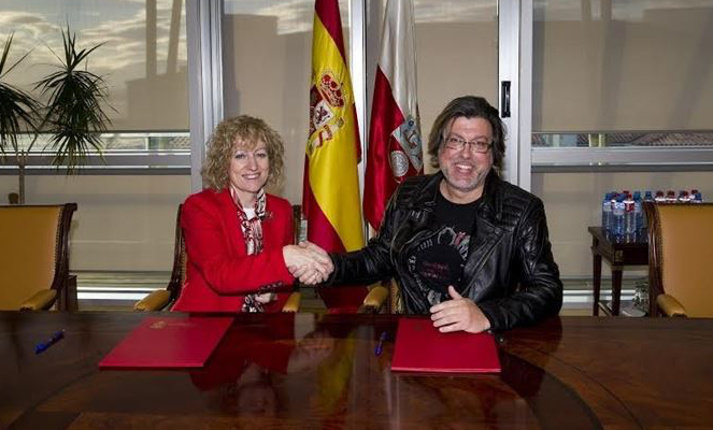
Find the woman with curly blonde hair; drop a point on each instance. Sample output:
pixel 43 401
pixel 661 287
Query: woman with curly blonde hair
pixel 238 237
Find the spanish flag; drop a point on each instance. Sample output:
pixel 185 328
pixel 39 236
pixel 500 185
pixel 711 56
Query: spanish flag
pixel 330 200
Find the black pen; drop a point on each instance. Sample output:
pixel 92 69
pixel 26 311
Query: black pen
pixel 42 346
pixel 380 345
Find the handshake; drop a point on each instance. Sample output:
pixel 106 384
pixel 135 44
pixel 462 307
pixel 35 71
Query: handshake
pixel 308 262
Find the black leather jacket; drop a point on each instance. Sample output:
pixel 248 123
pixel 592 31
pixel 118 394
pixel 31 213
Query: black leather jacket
pixel 509 272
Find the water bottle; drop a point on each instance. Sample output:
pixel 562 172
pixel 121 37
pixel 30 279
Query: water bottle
pixel 639 213
pixel 695 191
pixel 659 197
pixel 607 212
pixel 612 203
pixel 629 219
pixel 647 198
pixel 618 216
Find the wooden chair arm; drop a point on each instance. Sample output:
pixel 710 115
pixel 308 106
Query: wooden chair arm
pixel 69 302
pixel 293 302
pixel 39 301
pixel 670 306
pixel 375 299
pixel 154 301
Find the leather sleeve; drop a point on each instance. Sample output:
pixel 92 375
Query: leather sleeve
pixel 371 263
pixel 540 292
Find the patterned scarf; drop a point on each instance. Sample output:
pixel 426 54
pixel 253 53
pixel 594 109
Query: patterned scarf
pixel 252 232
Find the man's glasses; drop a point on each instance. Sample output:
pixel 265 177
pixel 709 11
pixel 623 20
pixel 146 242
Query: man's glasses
pixel 456 144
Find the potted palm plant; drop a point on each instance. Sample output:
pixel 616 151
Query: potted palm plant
pixel 73 115
pixel 18 112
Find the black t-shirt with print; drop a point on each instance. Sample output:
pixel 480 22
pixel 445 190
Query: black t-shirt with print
pixel 439 258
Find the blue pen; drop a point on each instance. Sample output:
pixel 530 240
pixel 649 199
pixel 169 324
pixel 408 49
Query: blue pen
pixel 42 346
pixel 380 345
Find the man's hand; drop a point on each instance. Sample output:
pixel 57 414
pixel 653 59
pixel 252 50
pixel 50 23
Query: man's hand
pixel 458 314
pixel 308 262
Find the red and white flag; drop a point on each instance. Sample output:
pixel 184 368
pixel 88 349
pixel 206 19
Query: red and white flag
pixel 395 130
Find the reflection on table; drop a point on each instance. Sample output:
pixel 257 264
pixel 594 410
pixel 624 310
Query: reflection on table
pixel 316 371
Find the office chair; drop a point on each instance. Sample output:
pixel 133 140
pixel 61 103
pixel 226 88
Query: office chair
pixel 34 258
pixel 680 269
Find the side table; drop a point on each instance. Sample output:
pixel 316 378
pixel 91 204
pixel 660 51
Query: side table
pixel 618 254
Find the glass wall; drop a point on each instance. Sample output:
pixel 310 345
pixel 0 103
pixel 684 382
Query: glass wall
pixel 142 57
pixel 622 96
pixel 622 74
pixel 127 207
pixel 615 83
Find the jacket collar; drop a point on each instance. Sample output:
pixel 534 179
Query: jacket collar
pixel 426 195
pixel 492 199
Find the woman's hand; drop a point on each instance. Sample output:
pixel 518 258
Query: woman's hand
pixel 308 262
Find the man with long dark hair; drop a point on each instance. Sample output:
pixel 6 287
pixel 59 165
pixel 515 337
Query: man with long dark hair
pixel 463 245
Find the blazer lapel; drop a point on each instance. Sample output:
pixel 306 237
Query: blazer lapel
pixel 270 230
pixel 233 231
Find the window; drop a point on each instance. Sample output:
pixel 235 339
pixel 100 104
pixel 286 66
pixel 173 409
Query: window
pixel 142 58
pixel 622 83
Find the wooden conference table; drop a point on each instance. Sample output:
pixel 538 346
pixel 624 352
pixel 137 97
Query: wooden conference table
pixel 308 371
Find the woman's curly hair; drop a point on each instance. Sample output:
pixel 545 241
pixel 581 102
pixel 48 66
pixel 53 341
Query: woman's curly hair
pixel 246 130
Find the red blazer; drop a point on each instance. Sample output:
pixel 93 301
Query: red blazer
pixel 218 270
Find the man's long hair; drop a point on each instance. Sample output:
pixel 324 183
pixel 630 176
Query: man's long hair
pixel 468 107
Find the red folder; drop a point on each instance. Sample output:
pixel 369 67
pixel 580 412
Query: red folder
pixel 420 347
pixel 168 343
